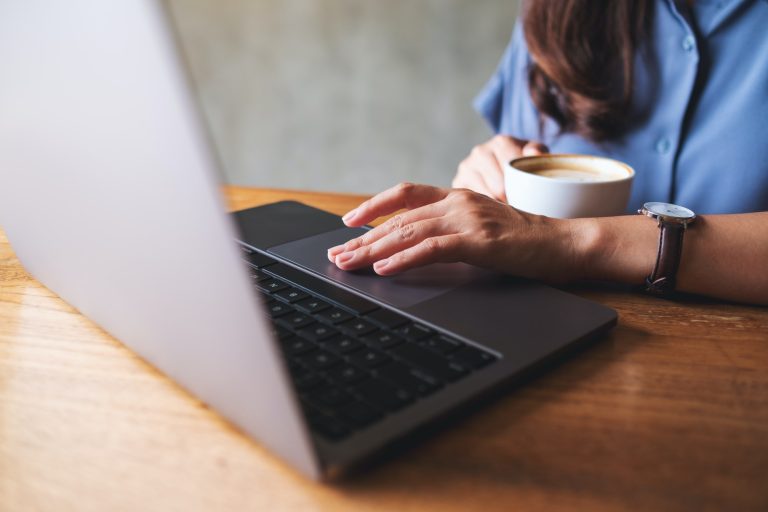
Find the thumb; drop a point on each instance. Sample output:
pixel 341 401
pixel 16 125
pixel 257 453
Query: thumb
pixel 532 148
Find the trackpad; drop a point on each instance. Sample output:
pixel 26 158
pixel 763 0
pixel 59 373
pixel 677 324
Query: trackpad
pixel 401 291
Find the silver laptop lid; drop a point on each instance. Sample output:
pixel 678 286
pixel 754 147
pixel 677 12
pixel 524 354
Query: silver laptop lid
pixel 109 197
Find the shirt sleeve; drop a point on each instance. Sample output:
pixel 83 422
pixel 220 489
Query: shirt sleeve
pixel 490 102
pixel 504 102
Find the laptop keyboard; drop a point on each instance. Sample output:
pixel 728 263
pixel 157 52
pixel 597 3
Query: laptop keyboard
pixel 353 362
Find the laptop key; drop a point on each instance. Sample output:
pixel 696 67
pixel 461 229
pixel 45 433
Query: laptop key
pixel 386 318
pixel 414 331
pixel 265 297
pixel 406 378
pixel 320 359
pixel 420 374
pixel 346 374
pixel 296 369
pixel 295 320
pixel 312 305
pixel 382 394
pixel 382 340
pixel 428 361
pixel 272 285
pixel 295 346
pixel 442 344
pixel 291 295
pixel 280 332
pixel 277 309
pixel 256 258
pixel 343 344
pixel 358 327
pixel 334 315
pixel 472 357
pixel 330 397
pixel 359 413
pixel 309 381
pixel 258 275
pixel 369 358
pixel 317 332
pixel 328 291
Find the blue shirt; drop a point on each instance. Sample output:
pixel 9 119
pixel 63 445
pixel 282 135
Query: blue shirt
pixel 702 138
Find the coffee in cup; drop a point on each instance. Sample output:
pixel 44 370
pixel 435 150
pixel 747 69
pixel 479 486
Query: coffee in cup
pixel 568 186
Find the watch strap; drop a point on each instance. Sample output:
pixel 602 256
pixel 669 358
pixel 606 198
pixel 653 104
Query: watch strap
pixel 662 279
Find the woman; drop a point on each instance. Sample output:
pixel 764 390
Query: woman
pixel 677 90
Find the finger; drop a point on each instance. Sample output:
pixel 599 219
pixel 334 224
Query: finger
pixel 534 148
pixel 447 248
pixel 485 186
pixel 471 179
pixel 397 223
pixel 394 242
pixel 506 148
pixel 484 161
pixel 334 251
pixel 404 195
pixel 393 224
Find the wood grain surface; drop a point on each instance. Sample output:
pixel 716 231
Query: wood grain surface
pixel 668 412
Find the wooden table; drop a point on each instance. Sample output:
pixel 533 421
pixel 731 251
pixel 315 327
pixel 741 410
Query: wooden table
pixel 668 412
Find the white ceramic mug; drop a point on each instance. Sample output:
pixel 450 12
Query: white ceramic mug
pixel 568 186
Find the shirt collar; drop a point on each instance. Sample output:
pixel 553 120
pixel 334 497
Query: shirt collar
pixel 726 8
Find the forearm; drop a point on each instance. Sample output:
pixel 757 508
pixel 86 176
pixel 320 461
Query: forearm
pixel 724 256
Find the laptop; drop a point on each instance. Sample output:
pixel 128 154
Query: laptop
pixel 109 194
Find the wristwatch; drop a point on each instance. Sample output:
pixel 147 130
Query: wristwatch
pixel 672 220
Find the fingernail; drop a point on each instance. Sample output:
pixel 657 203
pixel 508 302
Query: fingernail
pixel 344 257
pixel 336 249
pixel 381 264
pixel 349 216
pixel 533 149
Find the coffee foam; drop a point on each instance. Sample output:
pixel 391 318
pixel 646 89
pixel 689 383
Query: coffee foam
pixel 572 174
pixel 574 168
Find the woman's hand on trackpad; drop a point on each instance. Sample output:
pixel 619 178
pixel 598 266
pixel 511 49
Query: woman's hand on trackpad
pixel 449 225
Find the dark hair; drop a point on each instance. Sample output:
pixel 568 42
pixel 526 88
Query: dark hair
pixel 583 54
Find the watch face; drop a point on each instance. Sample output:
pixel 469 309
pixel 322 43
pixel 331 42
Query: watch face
pixel 669 210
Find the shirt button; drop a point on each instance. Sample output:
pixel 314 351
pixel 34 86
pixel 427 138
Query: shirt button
pixel 689 43
pixel 663 145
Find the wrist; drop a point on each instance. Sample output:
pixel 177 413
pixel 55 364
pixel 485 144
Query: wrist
pixel 564 250
pixel 621 249
pixel 585 240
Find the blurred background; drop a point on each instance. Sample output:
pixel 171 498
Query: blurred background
pixel 342 95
